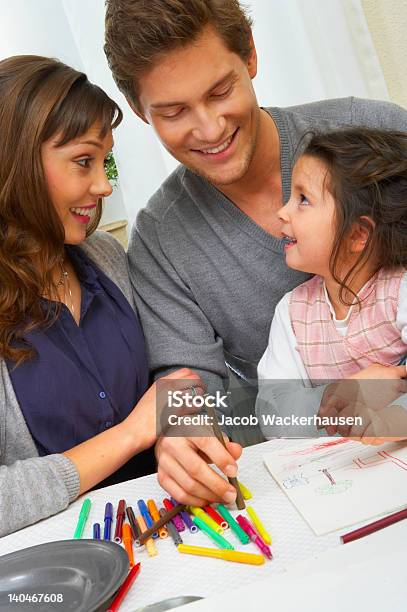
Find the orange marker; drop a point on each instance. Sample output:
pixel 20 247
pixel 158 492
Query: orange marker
pixel 128 542
pixel 151 549
pixel 155 515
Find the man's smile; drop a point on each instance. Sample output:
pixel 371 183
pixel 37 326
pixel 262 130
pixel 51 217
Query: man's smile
pixel 219 151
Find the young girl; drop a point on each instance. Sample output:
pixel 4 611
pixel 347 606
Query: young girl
pixel 346 223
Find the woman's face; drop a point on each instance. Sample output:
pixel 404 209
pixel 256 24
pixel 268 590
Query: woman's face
pixel 76 178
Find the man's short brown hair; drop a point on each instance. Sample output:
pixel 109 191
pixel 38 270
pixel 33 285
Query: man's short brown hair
pixel 138 32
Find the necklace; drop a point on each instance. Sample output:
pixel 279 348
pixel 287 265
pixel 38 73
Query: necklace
pixel 64 280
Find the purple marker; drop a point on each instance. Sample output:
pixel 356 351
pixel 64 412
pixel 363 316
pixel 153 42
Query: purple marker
pixel 108 521
pixel 96 531
pixel 177 520
pixel 247 527
pixel 186 518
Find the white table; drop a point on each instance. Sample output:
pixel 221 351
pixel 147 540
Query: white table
pixel 172 574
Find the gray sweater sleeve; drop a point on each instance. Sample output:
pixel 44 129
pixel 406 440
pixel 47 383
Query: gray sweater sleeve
pixel 34 489
pixel 179 333
pixel 31 487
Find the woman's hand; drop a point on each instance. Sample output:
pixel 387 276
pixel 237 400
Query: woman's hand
pixel 141 424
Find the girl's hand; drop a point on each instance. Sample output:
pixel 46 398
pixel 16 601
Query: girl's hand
pixel 381 372
pixel 389 423
pixel 378 441
pixel 370 390
pixel 141 424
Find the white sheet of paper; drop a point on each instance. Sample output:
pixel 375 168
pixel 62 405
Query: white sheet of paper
pixel 336 482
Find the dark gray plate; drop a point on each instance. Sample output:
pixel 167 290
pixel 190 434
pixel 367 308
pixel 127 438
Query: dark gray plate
pixel 84 573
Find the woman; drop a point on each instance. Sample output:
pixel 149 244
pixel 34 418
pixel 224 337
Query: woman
pixel 74 405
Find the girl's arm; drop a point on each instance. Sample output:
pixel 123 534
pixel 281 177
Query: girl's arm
pixel 284 386
pixel 281 360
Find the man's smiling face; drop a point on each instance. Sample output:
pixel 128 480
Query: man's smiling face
pixel 201 103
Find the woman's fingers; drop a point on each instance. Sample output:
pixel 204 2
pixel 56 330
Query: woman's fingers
pixel 184 376
pixel 174 479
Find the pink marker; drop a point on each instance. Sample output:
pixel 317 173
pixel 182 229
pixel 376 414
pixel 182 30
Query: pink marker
pixel 176 520
pixel 247 528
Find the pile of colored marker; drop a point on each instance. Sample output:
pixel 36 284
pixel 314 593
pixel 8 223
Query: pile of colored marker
pixel 172 519
pixel 214 522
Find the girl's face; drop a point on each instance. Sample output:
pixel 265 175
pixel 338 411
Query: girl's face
pixel 308 218
pixel 76 179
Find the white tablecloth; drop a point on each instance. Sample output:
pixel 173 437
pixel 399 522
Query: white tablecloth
pixel 172 574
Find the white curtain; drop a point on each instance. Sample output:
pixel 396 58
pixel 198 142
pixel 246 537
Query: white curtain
pixel 313 50
pixel 308 50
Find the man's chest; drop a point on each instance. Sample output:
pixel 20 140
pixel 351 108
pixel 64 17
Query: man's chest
pixel 263 209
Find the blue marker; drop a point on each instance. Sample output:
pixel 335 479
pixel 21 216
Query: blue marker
pixel 108 521
pixel 96 531
pixel 146 515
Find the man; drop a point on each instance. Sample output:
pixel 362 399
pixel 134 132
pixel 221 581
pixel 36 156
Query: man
pixel 206 256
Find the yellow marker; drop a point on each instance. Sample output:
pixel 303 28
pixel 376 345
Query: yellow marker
pixel 258 524
pixel 155 515
pixel 245 491
pixel 226 555
pixel 206 518
pixel 128 542
pixel 151 549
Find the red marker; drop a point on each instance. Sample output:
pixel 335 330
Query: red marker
pixel 216 517
pixel 122 592
pixel 121 509
pixel 375 526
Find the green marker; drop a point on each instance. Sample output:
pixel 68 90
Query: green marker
pixel 83 517
pixel 218 539
pixel 234 525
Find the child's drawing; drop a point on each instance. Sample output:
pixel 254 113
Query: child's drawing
pixel 295 481
pixel 333 489
pixel 336 483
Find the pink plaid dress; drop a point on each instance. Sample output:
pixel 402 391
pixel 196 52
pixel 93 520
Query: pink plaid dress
pixel 372 335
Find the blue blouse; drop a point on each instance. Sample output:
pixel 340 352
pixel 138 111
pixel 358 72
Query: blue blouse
pixel 85 378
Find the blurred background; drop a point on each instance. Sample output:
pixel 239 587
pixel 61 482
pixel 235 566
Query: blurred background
pixel 308 50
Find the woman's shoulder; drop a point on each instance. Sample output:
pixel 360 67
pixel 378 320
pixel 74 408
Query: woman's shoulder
pixel 102 246
pixel 109 255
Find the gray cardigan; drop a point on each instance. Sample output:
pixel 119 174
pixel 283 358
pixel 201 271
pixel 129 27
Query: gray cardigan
pixel 33 487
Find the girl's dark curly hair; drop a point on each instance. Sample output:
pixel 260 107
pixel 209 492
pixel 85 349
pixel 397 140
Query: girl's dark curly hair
pixel 367 177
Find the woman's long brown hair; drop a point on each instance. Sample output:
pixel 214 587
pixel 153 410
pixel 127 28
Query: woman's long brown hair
pixel 39 98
